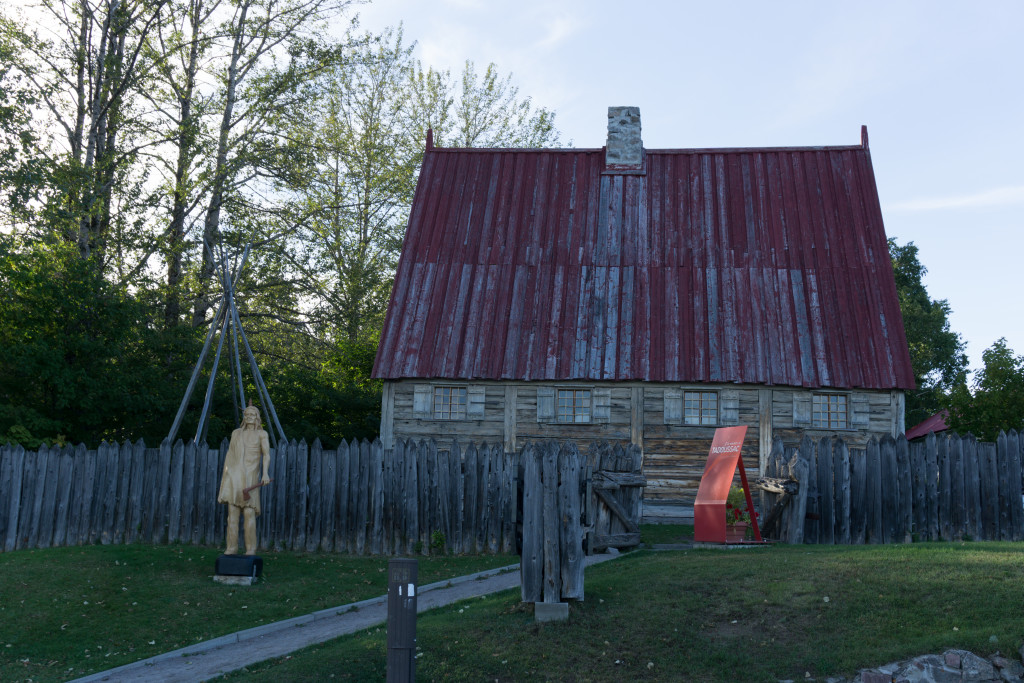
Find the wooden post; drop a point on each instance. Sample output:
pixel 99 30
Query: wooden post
pixel 890 491
pixel 906 490
pixel 874 491
pixel 800 471
pixel 826 489
pixel 989 495
pixel 552 582
pixel 945 489
pixel 533 547
pixel 1003 477
pixel 972 487
pixel 569 523
pixel 1013 480
pixel 841 461
pixel 858 496
pixel 931 455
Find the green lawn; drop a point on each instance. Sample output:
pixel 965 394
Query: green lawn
pixel 739 615
pixel 67 612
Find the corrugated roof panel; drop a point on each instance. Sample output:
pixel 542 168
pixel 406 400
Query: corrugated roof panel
pixel 761 266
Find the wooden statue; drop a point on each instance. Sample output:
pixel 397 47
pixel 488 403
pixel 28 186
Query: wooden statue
pixel 239 485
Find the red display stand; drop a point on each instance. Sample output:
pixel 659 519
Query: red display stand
pixel 709 508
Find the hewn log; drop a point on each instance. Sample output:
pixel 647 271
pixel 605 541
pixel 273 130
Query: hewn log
pixel 552 581
pixel 530 564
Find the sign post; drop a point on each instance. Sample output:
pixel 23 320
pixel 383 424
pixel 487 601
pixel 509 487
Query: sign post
pixel 709 508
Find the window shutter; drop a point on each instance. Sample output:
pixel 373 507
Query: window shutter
pixel 860 411
pixel 802 409
pixel 729 405
pixel 545 404
pixel 422 401
pixel 602 409
pixel 475 396
pixel 673 406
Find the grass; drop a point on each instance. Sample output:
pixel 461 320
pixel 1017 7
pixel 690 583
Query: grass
pixel 68 612
pixel 704 615
pixel 651 534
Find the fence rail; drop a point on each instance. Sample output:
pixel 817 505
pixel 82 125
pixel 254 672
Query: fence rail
pixel 352 499
pixel 946 487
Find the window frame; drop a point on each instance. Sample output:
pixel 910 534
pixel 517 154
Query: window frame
pixel 839 414
pixel 588 405
pixel 700 396
pixel 447 415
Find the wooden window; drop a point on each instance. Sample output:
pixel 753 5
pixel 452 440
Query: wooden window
pixel 700 407
pixel 573 405
pixel 449 403
pixel 829 411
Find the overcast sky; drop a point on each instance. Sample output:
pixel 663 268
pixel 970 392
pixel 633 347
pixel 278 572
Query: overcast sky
pixel 938 84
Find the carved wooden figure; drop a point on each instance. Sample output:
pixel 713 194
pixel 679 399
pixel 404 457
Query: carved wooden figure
pixel 240 482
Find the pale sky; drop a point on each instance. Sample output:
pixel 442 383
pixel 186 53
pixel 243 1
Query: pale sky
pixel 938 84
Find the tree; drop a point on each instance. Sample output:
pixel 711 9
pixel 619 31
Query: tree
pixel 936 352
pixel 997 402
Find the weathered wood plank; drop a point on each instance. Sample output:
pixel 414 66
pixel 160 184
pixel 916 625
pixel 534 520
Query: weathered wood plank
pixel 812 519
pixel 494 475
pixel 174 481
pixel 972 508
pixel 444 495
pixel 1013 454
pixel 906 493
pixel 858 496
pixel 890 491
pixel 945 489
pixel 300 502
pixel 826 489
pixel 328 488
pixel 841 468
pixel 799 470
pixel 34 488
pixel 954 450
pixel 362 498
pixel 343 526
pixel 123 492
pixel 552 582
pixel 989 491
pixel 65 480
pixel 874 492
pixel 931 459
pixel 531 561
pixel 1003 477
pixel 410 503
pixel 88 495
pixel 377 486
pixel 314 504
pixel 571 551
pixel 470 496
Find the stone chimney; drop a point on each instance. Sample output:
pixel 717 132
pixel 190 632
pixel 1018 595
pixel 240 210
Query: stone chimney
pixel 625 149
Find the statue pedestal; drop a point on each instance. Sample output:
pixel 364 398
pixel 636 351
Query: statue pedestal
pixel 238 570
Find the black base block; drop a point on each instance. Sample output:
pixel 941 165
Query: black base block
pixel 240 565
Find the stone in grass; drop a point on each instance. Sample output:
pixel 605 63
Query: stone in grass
pixel 1009 669
pixel 927 669
pixel 974 668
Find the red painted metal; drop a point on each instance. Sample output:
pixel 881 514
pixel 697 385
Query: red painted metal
pixel 760 266
pixel 709 524
pixel 936 423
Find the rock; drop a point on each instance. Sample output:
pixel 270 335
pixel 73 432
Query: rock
pixel 927 669
pixel 875 677
pixel 1008 669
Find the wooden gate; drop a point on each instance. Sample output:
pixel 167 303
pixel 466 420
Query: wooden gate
pixel 614 483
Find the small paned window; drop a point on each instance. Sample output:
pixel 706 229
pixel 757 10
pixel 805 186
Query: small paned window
pixel 700 407
pixel 573 405
pixel 828 411
pixel 449 403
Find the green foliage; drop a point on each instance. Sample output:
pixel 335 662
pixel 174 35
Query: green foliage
pixel 997 402
pixel 75 351
pixel 936 352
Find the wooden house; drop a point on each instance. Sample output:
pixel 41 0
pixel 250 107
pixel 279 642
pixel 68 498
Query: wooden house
pixel 645 296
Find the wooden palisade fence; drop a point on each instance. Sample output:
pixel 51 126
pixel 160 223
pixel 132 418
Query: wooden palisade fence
pixel 892 491
pixel 352 499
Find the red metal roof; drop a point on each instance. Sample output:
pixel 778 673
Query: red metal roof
pixel 936 423
pixel 761 266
